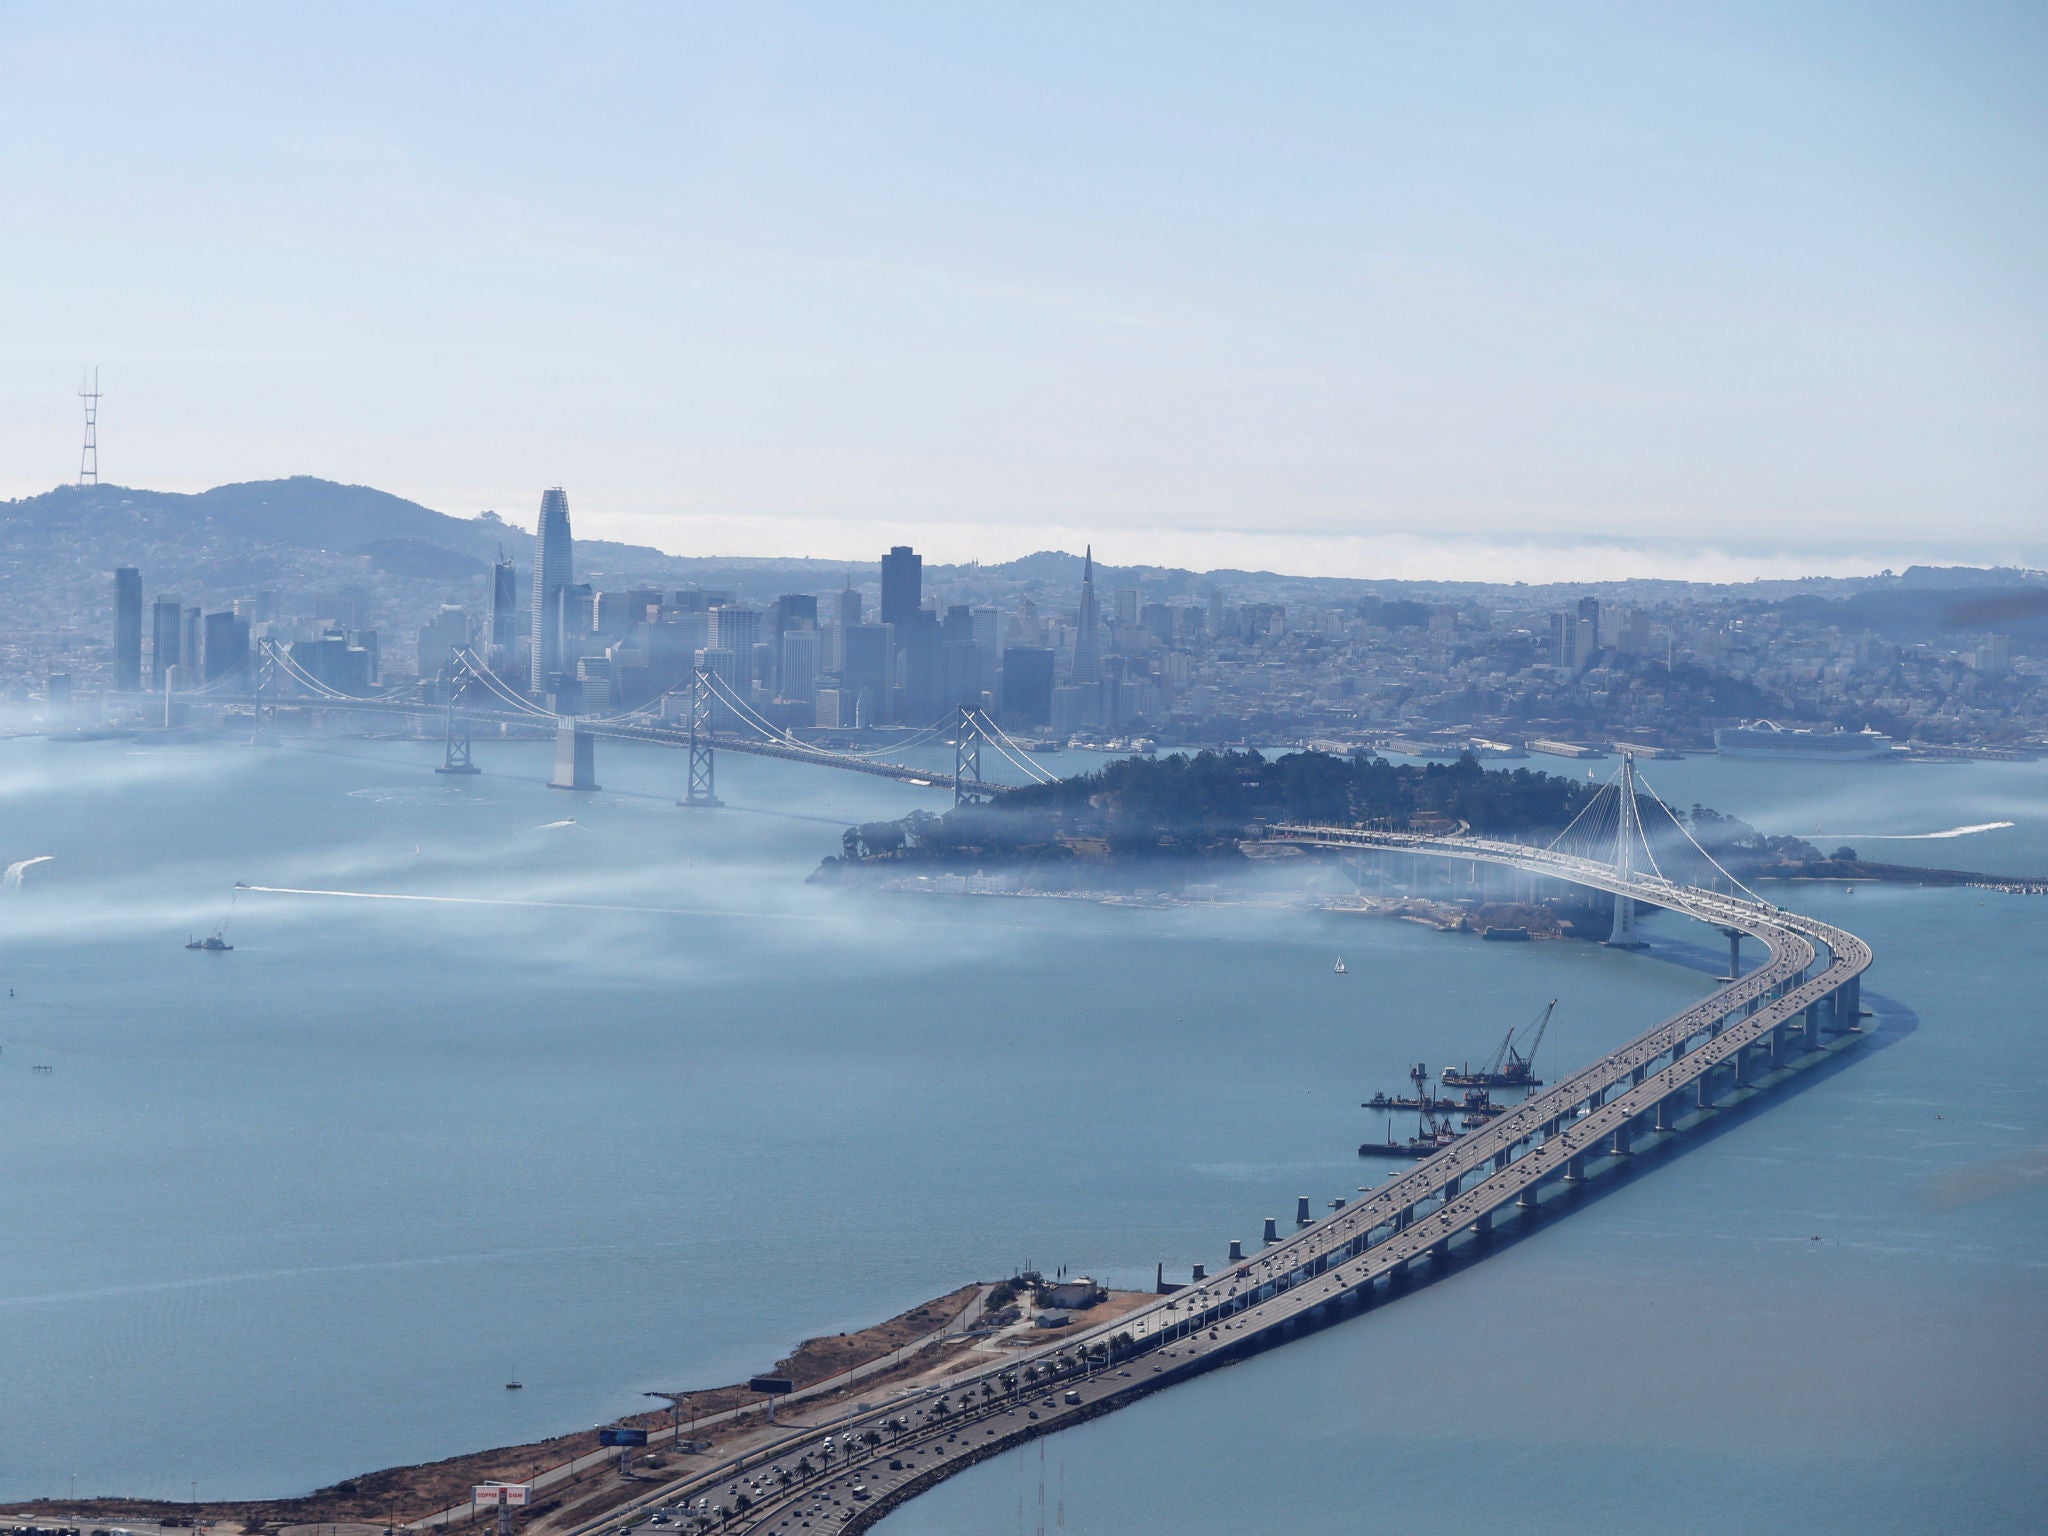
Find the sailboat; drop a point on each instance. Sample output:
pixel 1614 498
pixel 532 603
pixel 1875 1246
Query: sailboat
pixel 1341 968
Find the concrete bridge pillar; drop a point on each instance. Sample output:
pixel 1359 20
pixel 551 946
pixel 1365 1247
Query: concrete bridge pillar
pixel 1705 1092
pixel 1301 1215
pixel 1526 1200
pixel 1403 1217
pixel 1272 1229
pixel 1815 1011
pixel 1734 952
pixel 1620 1146
pixel 1740 1061
pixel 1665 1114
pixel 575 759
pixel 1778 1045
pixel 1636 1077
pixel 1484 1224
pixel 1452 1188
pixel 1237 1250
pixel 1852 989
pixel 1440 1253
pixel 1502 1158
pixel 1574 1169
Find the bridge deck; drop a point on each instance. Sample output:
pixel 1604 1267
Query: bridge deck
pixel 1345 1255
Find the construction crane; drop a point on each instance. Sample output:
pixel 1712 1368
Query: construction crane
pixel 1507 1067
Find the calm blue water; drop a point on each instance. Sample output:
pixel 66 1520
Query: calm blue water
pixel 629 1106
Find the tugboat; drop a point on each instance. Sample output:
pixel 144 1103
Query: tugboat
pixel 215 943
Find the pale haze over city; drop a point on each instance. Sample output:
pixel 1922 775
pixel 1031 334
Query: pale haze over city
pixel 1146 770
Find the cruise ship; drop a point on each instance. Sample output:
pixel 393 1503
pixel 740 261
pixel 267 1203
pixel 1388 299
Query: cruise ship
pixel 1767 738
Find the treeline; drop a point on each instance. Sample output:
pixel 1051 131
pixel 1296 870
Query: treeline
pixel 1197 807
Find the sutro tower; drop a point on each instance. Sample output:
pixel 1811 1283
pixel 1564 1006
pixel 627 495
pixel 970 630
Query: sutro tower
pixel 89 455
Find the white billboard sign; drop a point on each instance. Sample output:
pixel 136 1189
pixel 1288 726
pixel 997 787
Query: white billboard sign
pixel 500 1493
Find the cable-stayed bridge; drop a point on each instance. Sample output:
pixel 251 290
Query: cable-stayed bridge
pixel 1750 1035
pixel 716 718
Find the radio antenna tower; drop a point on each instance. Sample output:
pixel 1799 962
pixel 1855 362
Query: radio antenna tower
pixel 89 455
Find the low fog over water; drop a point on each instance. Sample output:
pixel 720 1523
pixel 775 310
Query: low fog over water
pixel 596 1093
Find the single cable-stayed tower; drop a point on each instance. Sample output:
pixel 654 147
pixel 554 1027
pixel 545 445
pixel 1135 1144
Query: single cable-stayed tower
pixel 89 455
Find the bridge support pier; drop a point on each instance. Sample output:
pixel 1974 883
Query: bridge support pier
pixel 1620 1145
pixel 1734 953
pixel 1778 1046
pixel 1705 1093
pixel 1237 1250
pixel 1484 1224
pixel 1574 1169
pixel 575 759
pixel 455 756
pixel 1740 1061
pixel 1272 1229
pixel 1301 1215
pixel 1815 1013
pixel 1526 1200
pixel 1665 1116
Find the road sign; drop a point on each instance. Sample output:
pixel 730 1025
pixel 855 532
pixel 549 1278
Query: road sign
pixel 622 1437
pixel 778 1385
pixel 501 1493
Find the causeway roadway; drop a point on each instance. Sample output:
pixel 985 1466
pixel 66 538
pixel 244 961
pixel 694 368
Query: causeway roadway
pixel 1745 1036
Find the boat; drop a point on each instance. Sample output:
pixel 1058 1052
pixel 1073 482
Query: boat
pixel 215 943
pixel 1341 971
pixel 514 1386
pixel 1767 738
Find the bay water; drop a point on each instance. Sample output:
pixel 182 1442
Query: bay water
pixel 595 1093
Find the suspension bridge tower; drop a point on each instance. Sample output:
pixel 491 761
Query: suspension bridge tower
pixel 1628 839
pixel 703 790
pixel 456 758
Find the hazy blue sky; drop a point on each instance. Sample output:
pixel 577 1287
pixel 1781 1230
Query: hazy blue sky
pixel 1308 286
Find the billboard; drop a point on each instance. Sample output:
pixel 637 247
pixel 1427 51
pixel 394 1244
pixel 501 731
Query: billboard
pixel 622 1437
pixel 501 1493
pixel 775 1384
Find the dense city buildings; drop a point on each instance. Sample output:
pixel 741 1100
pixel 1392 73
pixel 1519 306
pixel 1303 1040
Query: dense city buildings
pixel 1054 645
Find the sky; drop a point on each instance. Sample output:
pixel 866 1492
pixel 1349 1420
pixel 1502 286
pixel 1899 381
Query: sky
pixel 1451 290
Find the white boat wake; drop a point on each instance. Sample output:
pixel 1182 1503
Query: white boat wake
pixel 13 878
pixel 1922 837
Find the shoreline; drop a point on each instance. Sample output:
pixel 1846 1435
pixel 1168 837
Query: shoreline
pixel 573 1478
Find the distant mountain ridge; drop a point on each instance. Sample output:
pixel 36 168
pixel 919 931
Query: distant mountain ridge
pixel 404 538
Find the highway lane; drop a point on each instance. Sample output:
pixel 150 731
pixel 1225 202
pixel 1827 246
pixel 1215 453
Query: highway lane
pixel 1343 1256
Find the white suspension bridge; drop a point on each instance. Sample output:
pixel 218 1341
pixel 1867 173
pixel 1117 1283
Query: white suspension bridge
pixel 716 717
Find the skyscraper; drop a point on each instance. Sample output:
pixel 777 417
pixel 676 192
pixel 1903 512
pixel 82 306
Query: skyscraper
pixel 504 611
pixel 849 604
pixel 553 562
pixel 166 640
pixel 1087 643
pixel 127 629
pixel 902 587
pixel 226 645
